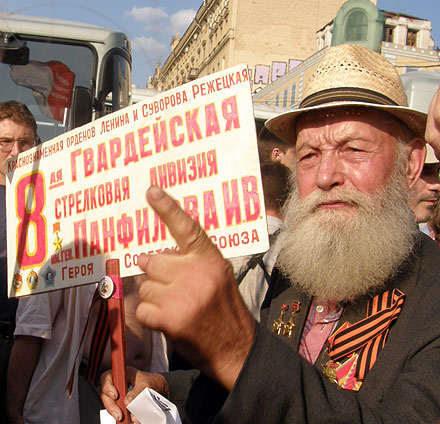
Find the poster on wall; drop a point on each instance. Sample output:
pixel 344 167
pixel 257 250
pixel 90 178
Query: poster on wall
pixel 79 199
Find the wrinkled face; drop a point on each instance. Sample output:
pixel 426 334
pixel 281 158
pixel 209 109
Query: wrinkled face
pixel 348 227
pixel 426 191
pixel 16 136
pixel 348 148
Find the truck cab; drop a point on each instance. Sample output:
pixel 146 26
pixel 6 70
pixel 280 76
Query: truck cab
pixel 68 73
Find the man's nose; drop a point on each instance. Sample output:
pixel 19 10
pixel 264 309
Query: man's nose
pixel 15 149
pixel 330 173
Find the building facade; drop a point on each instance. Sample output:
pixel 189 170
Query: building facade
pixel 404 40
pixel 271 39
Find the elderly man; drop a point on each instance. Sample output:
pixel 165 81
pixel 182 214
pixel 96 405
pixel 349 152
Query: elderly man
pixel 352 309
pixel 426 190
pixel 18 132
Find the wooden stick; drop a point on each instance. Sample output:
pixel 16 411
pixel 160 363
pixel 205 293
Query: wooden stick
pixel 117 334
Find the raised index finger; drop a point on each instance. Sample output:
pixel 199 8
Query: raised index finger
pixel 187 233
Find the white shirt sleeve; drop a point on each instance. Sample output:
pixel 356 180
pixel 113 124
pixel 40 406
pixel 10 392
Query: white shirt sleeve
pixel 36 314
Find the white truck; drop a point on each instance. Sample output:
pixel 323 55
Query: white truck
pixel 420 87
pixel 68 73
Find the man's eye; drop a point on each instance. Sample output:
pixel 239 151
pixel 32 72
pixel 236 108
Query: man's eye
pixel 354 153
pixel 308 156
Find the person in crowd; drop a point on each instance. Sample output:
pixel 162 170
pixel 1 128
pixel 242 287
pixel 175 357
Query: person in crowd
pixel 349 327
pixel 273 149
pixel 18 132
pixel 253 271
pixel 53 330
pixel 432 228
pixel 423 196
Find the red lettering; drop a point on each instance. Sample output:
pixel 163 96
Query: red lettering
pixel 210 211
pixel 231 202
pixel 212 125
pixel 251 198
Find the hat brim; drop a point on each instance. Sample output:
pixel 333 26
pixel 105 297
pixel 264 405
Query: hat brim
pixel 283 126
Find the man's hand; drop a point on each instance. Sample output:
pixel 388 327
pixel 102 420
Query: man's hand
pixel 139 380
pixel 432 134
pixel 192 296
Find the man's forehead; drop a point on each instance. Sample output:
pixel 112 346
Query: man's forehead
pixel 8 123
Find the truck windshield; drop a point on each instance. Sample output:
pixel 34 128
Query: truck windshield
pixel 46 83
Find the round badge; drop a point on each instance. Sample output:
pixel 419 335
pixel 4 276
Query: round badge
pixel 32 280
pixel 17 282
pixel 106 287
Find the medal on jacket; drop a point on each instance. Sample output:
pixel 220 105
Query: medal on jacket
pixel 278 324
pixel 280 327
pixel 289 326
pixel 343 373
pixel 354 348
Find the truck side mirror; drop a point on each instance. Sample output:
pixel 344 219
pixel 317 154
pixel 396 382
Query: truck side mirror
pixel 81 107
pixel 12 51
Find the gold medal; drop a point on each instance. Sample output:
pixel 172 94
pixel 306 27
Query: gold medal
pixel 289 326
pixel 278 324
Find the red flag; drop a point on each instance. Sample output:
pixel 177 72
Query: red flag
pixel 51 84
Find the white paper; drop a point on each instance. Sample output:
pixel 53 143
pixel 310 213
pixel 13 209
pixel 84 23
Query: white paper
pixel 105 417
pixel 79 199
pixel 151 407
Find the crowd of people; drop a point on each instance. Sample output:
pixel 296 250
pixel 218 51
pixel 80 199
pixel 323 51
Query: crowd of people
pixel 337 322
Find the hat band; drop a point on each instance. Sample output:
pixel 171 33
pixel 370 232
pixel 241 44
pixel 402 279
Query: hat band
pixel 346 94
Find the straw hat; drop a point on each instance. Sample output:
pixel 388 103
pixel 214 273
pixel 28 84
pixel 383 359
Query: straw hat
pixel 351 75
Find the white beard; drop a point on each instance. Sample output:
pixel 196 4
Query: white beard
pixel 339 254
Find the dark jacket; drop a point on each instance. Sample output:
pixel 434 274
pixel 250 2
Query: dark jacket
pixel 277 385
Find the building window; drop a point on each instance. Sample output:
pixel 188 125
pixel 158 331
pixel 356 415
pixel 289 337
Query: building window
pixel 293 95
pixel 356 26
pixel 285 95
pixel 388 34
pixel 411 38
pixel 277 99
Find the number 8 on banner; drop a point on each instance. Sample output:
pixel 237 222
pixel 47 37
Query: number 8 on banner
pixel 31 230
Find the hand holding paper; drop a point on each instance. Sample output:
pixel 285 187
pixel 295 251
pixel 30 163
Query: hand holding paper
pixel 151 407
pixel 138 380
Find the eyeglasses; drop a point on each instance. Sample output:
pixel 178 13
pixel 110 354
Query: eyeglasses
pixel 7 144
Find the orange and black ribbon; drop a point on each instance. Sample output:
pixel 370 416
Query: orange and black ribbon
pixel 368 336
pixel 99 340
pixel 98 344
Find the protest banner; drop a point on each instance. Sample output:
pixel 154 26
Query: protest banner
pixel 79 199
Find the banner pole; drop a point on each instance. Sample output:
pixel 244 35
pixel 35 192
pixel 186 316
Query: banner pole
pixel 111 288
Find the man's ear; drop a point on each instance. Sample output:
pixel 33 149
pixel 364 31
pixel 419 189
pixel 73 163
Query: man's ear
pixel 276 155
pixel 416 161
